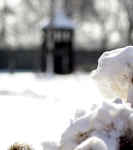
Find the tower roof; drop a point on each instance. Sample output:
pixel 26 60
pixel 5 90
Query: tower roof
pixel 59 21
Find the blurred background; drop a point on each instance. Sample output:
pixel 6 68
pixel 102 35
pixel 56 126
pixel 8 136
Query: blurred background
pixel 43 37
pixel 31 33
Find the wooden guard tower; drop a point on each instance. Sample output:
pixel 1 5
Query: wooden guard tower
pixel 58 37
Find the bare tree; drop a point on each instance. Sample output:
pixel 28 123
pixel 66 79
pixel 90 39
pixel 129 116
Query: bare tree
pixel 29 12
pixel 80 9
pixel 89 11
pixel 128 8
pixel 4 12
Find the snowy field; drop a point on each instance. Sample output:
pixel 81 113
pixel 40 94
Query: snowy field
pixel 36 107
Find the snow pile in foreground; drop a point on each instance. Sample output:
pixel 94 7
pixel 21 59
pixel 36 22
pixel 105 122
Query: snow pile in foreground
pixel 114 74
pixel 103 127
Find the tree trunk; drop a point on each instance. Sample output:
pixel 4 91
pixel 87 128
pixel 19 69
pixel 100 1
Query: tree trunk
pixel 4 24
pixel 130 29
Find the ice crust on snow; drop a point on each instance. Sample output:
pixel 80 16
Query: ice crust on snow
pixel 114 74
pixel 100 128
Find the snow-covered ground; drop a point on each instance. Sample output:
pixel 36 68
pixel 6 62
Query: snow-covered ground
pixel 36 107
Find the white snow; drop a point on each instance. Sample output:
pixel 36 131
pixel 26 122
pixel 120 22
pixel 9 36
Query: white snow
pixel 114 74
pixel 68 112
pixel 38 107
pixel 97 129
pixel 101 126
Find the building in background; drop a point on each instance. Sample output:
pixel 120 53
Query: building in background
pixel 57 48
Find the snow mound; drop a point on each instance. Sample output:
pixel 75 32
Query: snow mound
pixel 114 74
pixel 101 128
